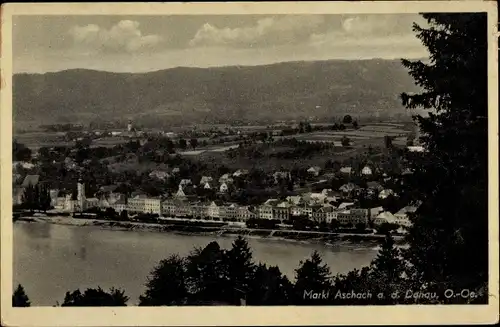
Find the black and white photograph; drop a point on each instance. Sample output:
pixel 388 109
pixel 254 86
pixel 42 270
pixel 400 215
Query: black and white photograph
pixel 255 158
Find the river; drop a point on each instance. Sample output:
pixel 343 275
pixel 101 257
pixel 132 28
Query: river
pixel 51 259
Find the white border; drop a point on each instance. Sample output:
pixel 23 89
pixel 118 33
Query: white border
pixel 245 316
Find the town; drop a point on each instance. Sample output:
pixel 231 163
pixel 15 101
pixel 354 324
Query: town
pixel 366 196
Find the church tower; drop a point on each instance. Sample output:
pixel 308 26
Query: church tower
pixel 417 134
pixel 80 196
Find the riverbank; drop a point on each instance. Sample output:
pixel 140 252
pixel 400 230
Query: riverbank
pixel 327 238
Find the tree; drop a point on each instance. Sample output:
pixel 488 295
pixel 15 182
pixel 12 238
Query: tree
pixel 386 228
pixel 388 141
pixel 447 248
pixel 44 200
pixel 207 275
pixel 347 119
pixel 30 198
pixel 194 143
pixel 20 152
pixel 111 213
pixel 182 144
pixel 240 265
pixel 166 284
pixel 19 298
pixel 355 124
pixel 312 275
pixel 269 287
pixel 124 215
pixel 345 141
pixel 95 298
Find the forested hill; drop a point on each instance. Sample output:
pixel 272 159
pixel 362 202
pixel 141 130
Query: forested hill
pixel 279 91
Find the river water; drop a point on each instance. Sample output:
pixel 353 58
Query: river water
pixel 51 259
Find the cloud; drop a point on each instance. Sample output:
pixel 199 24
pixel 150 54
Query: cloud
pixel 124 36
pixel 371 34
pixel 268 31
pixel 380 25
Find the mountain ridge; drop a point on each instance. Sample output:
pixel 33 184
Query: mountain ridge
pixel 287 90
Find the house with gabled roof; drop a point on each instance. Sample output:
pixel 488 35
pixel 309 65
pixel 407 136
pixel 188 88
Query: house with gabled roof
pixel 384 217
pixel 226 178
pixel 159 174
pixel 314 170
pixel 346 170
pixel 385 193
pixel 374 186
pixel 240 172
pixel 31 180
pixel 205 179
pixel 366 171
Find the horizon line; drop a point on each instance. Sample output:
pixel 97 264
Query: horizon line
pixel 212 67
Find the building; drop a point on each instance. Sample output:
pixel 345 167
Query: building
pixel 168 208
pixel 226 178
pixel 296 210
pixel 159 174
pixel 353 216
pixel 80 196
pixel 152 205
pixel 402 217
pixel 137 204
pixel 317 214
pixel 207 186
pixel 385 193
pixel 229 212
pixel 374 212
pixel 346 170
pixel 345 205
pixel 366 171
pixel 331 195
pixel 314 171
pixel 120 204
pixel 213 210
pixel 295 200
pixel 329 213
pixel 224 188
pixel 206 179
pixel 199 210
pixel 30 180
pixel 180 193
pixel 185 182
pixel 17 195
pixel 244 213
pixel 375 186
pixel 266 211
pixel 384 217
pixel 416 148
pixel 240 173
pixel 183 209
pixel 282 211
pixel 348 189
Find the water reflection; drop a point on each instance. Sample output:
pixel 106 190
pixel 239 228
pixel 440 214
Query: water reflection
pixel 37 231
pixel 52 259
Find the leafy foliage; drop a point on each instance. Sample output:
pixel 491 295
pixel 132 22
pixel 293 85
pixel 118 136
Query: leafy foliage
pixel 95 298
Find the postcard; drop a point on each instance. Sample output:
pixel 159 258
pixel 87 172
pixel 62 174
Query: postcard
pixel 245 163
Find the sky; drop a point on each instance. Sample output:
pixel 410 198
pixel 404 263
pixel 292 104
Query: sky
pixel 148 43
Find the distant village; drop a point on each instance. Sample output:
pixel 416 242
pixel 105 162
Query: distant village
pixel 327 206
pixel 322 207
